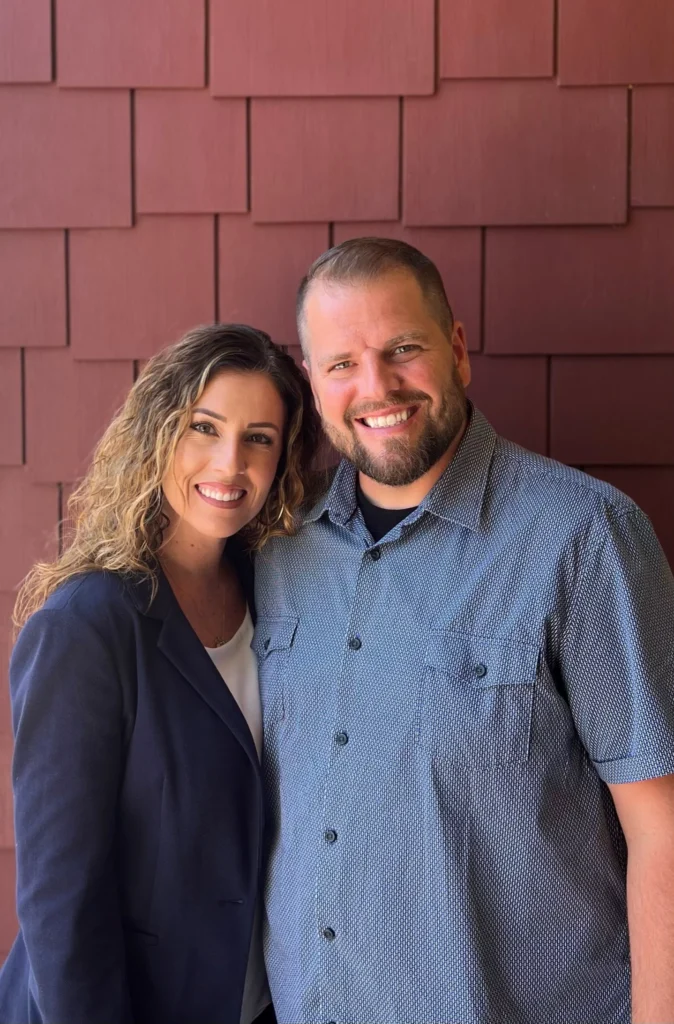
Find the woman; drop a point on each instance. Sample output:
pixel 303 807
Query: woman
pixel 136 773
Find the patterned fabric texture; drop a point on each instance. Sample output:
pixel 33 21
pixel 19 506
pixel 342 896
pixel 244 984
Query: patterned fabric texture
pixel 442 712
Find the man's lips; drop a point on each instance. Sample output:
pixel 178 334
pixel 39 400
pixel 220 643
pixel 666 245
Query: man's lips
pixel 221 495
pixel 385 421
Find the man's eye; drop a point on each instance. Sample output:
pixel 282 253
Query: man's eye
pixel 403 349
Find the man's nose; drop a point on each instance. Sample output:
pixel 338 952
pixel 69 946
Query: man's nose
pixel 378 376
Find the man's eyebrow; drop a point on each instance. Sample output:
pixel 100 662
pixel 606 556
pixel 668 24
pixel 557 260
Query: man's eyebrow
pixel 223 419
pixel 391 343
pixel 406 336
pixel 334 359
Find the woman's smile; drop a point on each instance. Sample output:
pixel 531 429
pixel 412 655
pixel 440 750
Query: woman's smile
pixel 220 495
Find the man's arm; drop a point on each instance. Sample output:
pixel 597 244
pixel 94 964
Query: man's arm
pixel 646 813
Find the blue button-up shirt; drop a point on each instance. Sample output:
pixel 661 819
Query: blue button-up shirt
pixel 440 723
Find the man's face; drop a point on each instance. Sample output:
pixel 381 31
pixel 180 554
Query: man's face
pixel 388 383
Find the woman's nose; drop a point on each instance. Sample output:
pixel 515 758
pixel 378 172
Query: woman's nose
pixel 230 458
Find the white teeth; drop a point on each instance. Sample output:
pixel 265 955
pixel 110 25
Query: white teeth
pixel 208 492
pixel 387 421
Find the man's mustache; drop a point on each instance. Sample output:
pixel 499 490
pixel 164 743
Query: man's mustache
pixel 403 399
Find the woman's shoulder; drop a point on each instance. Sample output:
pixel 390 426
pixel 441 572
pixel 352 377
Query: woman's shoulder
pixel 103 599
pixel 90 615
pixel 86 590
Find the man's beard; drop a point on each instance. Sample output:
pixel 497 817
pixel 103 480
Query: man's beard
pixel 403 461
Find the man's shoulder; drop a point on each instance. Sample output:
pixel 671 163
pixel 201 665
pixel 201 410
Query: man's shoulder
pixel 551 486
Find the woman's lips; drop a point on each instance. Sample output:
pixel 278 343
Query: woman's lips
pixel 221 497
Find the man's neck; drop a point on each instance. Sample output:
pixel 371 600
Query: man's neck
pixel 412 494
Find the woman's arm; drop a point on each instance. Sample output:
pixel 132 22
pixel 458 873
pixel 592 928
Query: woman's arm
pixel 67 710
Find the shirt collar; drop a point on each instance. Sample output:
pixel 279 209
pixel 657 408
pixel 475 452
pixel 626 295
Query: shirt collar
pixel 457 496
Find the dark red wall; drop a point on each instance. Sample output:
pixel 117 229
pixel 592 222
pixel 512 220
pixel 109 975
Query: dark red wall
pixel 166 162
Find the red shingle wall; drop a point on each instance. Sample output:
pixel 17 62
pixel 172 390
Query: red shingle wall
pixel 167 162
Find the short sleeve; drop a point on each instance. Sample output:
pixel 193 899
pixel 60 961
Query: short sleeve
pixel 617 653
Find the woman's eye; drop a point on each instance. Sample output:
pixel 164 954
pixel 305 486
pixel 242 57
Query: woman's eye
pixel 260 439
pixel 340 366
pixel 202 427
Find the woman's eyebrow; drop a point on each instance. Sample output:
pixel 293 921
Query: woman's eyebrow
pixel 209 412
pixel 223 419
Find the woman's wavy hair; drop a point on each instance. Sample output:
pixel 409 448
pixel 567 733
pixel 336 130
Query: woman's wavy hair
pixel 116 520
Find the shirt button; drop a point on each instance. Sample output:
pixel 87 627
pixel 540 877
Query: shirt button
pixel 375 554
pixel 480 670
pixel 330 836
pixel 328 934
pixel 341 739
pixel 355 643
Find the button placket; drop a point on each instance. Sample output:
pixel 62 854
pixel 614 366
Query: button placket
pixel 333 844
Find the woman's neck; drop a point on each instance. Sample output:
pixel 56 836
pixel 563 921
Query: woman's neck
pixel 188 554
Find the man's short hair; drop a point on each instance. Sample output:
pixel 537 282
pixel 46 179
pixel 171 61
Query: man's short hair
pixel 366 259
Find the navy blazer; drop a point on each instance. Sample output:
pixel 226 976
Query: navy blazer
pixel 139 816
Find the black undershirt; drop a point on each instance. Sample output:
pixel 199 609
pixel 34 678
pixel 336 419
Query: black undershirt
pixel 379 520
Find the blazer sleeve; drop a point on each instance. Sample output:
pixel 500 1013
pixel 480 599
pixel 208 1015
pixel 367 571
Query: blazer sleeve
pixel 68 760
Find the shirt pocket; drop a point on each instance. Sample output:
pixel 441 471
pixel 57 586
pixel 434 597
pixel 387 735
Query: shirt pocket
pixel 476 699
pixel 272 643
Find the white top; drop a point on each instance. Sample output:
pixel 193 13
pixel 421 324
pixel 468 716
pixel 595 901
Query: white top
pixel 236 663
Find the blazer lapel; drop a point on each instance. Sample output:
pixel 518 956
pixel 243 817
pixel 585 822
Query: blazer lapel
pixel 180 644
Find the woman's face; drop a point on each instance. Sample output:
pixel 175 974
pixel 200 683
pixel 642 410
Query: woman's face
pixel 226 460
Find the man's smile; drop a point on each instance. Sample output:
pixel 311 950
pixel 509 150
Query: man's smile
pixel 392 420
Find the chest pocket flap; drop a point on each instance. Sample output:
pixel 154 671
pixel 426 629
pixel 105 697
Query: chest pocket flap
pixel 274 635
pixel 481 661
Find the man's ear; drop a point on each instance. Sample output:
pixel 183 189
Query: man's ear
pixel 460 353
pixel 317 403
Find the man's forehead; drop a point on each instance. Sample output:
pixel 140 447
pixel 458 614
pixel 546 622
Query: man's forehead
pixel 382 308
pixel 392 287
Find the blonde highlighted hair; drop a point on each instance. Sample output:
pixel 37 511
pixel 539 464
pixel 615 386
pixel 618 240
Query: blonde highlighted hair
pixel 116 515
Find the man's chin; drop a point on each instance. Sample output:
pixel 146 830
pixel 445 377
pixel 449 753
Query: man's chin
pixel 391 468
pixel 391 471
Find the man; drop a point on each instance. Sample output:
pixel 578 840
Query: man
pixel 467 665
